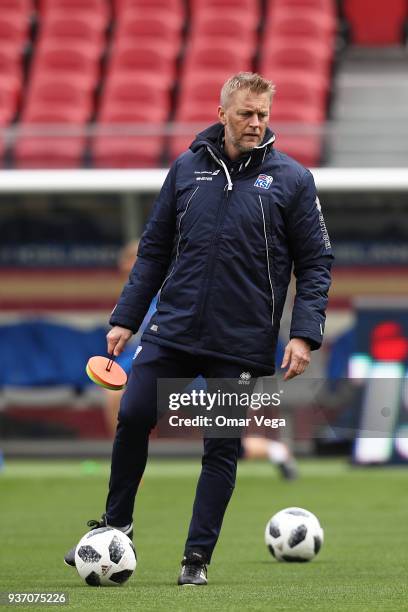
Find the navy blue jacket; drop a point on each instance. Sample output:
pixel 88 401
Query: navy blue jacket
pixel 220 245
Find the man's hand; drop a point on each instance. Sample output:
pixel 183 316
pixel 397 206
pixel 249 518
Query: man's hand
pixel 297 357
pixel 117 338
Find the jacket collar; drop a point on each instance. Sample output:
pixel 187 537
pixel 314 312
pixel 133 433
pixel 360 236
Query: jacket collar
pixel 213 138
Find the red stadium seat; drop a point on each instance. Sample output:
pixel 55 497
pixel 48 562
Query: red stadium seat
pixel 200 90
pixel 133 94
pixel 296 86
pixel 95 7
pixel 116 114
pixel 10 58
pixel 40 112
pixel 77 61
pixel 175 6
pixel 232 27
pixel 249 19
pixel 96 21
pixel 80 27
pixel 284 111
pixel 198 118
pixel 169 48
pixel 50 151
pixel 87 48
pixel 13 29
pixel 143 58
pixel 324 6
pixel 23 7
pixel 8 104
pixel 11 71
pixel 11 85
pixel 205 113
pixel 58 93
pixel 248 6
pixel 306 149
pixel 158 27
pixel 300 23
pixel 299 54
pixel 129 150
pixel 382 24
pixel 174 20
pixel 216 56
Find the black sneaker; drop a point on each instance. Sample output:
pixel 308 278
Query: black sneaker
pixel 69 558
pixel 193 570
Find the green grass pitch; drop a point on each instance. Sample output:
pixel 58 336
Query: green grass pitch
pixel 362 565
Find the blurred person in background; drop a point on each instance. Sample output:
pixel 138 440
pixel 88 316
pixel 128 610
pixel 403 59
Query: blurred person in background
pixel 232 217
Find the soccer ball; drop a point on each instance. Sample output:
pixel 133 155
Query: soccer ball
pixel 294 534
pixel 105 557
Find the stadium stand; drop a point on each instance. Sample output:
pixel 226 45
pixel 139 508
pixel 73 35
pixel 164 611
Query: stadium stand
pixel 89 60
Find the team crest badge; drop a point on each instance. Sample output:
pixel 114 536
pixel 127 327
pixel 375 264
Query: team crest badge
pixel 263 181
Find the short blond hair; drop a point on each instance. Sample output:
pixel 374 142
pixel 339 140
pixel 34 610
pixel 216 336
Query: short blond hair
pixel 246 80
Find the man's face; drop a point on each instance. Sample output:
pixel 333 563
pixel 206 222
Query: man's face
pixel 245 119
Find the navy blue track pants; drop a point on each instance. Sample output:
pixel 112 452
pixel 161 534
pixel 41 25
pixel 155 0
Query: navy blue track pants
pixel 137 417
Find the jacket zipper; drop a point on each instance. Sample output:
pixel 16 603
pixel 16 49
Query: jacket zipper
pixel 213 246
pixel 178 244
pixel 267 260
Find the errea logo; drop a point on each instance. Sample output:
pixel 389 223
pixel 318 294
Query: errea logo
pixel 244 378
pixel 264 181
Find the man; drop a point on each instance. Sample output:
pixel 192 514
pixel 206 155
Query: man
pixel 232 217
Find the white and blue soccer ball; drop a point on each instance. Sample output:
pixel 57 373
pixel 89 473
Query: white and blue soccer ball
pixel 105 557
pixel 294 534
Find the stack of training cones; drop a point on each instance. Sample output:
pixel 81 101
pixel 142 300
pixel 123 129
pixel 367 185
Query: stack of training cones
pixel 106 373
